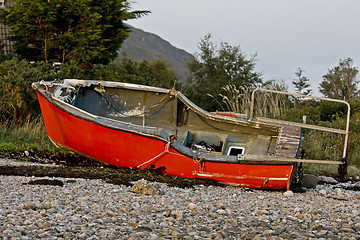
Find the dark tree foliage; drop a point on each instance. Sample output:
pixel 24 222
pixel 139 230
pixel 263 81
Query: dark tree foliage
pixel 112 14
pixel 215 67
pixel 3 56
pixel 82 31
pixel 341 81
pixel 332 110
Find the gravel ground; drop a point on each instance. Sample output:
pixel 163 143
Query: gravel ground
pixel 93 209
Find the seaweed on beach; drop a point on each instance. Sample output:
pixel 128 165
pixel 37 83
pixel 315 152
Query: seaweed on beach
pixel 110 174
pixel 52 182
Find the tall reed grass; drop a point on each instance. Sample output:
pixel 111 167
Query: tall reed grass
pixel 237 99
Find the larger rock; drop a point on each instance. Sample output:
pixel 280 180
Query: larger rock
pixel 357 184
pixel 327 180
pixel 149 188
pixel 309 181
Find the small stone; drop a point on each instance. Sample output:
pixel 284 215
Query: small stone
pixel 278 229
pixel 285 235
pixel 322 192
pixel 357 227
pixel 204 229
pixel 222 232
pixel 191 206
pixel 228 211
pixel 268 232
pixel 143 229
pixel 164 201
pixel 83 236
pixel 110 213
pixel 154 237
pixel 221 211
pixel 7 231
pixel 348 230
pixel 177 214
pixel 194 212
pixel 140 235
pixel 322 232
pixel 175 233
pixel 167 214
pixel 297 209
pixel 258 237
pixel 315 212
pixel 337 191
pixel 309 235
pixel 28 206
pixel 295 235
pixel 289 193
pixel 133 224
pixel 163 224
pixel 333 216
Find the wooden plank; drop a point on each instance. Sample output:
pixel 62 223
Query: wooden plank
pixel 288 141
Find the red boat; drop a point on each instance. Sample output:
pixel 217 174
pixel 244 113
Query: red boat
pixel 135 126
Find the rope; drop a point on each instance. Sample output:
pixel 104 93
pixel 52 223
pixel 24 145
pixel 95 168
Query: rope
pixel 157 156
pixel 164 152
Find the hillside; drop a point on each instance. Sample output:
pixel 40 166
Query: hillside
pixel 144 45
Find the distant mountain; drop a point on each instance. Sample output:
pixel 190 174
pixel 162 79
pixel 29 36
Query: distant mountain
pixel 144 45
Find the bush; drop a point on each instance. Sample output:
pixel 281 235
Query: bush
pixel 17 99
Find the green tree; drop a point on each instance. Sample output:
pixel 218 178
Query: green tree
pixel 155 73
pixel 301 83
pixel 214 68
pixel 83 31
pixel 340 82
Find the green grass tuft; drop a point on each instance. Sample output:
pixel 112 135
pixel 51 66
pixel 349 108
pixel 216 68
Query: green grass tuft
pixel 30 135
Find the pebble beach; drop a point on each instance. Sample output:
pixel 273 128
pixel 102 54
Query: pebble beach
pixel 94 209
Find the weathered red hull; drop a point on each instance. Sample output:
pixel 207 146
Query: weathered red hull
pixel 132 149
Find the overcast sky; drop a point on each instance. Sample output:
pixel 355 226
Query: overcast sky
pixel 286 34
